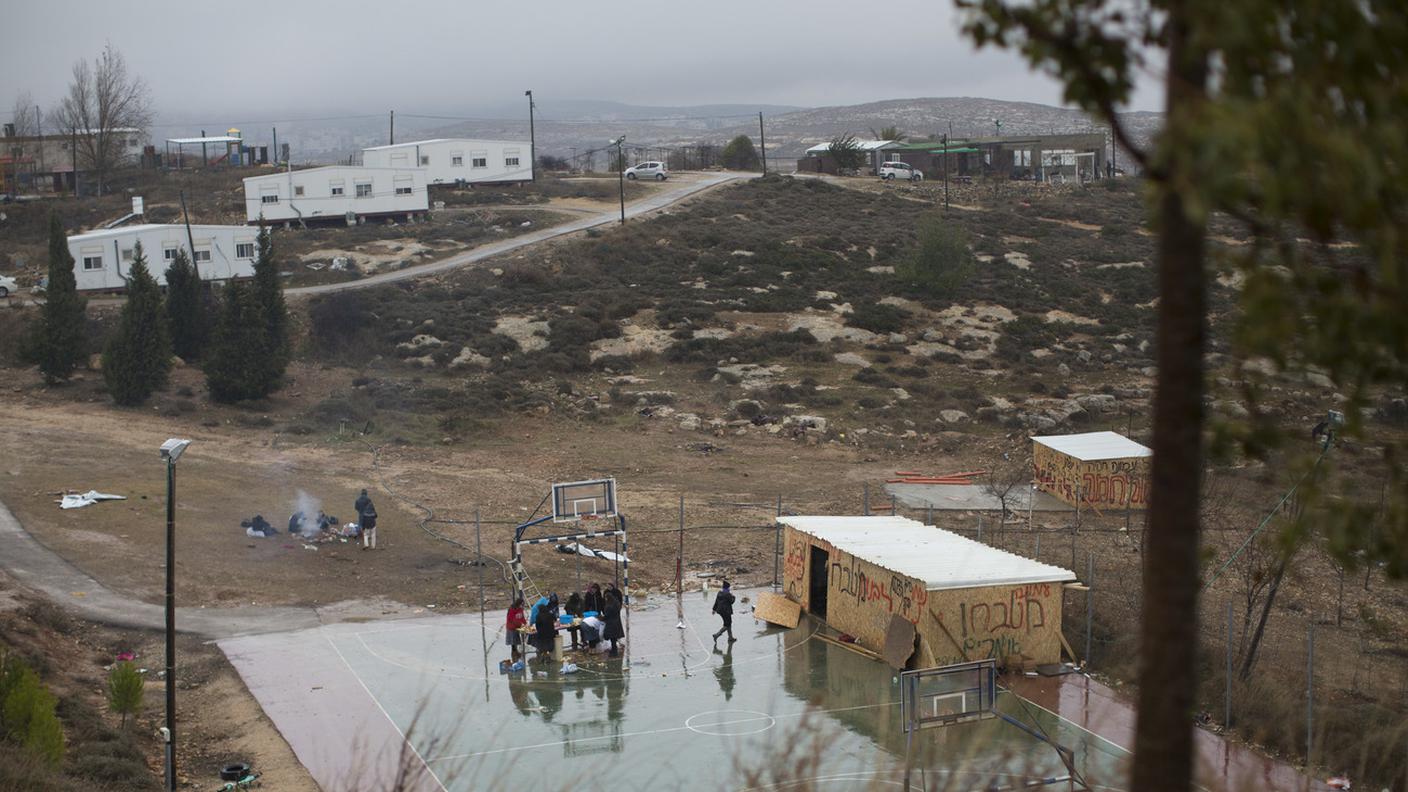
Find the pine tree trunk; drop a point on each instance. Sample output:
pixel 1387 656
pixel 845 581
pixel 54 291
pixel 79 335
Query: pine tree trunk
pixel 1163 744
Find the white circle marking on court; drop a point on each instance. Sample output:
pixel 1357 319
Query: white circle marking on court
pixel 719 727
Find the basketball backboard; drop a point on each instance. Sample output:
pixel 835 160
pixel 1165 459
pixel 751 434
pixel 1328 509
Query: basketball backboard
pixel 949 694
pixel 577 500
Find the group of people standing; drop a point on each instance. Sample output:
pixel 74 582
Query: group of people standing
pixel 598 609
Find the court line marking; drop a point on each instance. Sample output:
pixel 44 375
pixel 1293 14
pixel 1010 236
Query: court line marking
pixel 702 728
pixel 706 661
pixel 648 732
pixel 863 774
pixel 387 715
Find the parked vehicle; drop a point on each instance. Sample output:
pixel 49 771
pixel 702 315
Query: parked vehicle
pixel 648 170
pixel 889 171
pixel 8 286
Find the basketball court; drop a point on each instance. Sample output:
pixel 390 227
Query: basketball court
pixel 423 699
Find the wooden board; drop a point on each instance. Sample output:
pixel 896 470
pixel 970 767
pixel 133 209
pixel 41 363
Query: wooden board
pixel 899 642
pixel 853 647
pixel 776 609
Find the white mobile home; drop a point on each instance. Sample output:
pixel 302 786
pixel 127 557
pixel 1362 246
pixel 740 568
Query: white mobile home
pixel 102 260
pixel 335 191
pixel 453 160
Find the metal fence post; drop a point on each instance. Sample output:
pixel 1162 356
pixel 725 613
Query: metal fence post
pixel 866 496
pixel 1089 603
pixel 679 554
pixel 776 544
pixel 1227 683
pixel 1038 547
pixel 980 527
pixel 1309 693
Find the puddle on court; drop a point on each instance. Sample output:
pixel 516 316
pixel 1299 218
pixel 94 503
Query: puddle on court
pixel 677 711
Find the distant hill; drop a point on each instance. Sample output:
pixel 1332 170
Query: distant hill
pixel 791 133
pixel 568 126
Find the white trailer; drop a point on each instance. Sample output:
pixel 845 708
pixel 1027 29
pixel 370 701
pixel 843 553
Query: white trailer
pixel 335 191
pixel 456 160
pixel 102 260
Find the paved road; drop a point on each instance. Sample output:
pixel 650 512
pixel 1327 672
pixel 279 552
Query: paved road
pixel 652 203
pixel 40 568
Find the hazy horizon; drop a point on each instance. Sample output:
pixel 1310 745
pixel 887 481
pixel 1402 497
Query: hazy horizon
pixel 264 62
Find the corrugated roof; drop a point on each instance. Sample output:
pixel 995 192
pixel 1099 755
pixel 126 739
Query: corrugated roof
pixel 444 140
pixel 942 559
pixel 1094 446
pixel 108 233
pixel 216 139
pixel 863 145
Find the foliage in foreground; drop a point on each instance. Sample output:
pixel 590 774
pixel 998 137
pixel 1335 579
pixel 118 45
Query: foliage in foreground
pixel 941 262
pixel 58 343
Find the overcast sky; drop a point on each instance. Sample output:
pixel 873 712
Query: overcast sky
pixel 257 59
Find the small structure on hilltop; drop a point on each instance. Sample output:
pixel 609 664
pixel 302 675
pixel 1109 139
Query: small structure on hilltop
pixel 888 581
pixel 457 160
pixel 1099 469
pixel 335 192
pixel 102 260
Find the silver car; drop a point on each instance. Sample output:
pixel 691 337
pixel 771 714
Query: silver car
pixel 648 170
pixel 8 286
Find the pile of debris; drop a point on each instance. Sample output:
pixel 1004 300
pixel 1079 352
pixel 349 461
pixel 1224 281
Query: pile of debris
pixel 913 477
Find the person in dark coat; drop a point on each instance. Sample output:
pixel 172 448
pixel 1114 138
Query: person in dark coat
pixel 611 615
pixel 362 502
pixel 573 607
pixel 593 601
pixel 366 521
pixel 545 631
pixel 723 605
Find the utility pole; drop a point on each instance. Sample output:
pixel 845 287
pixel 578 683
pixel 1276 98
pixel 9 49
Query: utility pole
pixel 945 139
pixel 276 145
pixel 532 141
pixel 621 173
pixel 39 133
pixel 763 144
pixel 204 159
pixel 392 142
pixel 73 151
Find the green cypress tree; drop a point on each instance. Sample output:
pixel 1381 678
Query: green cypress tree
pixel 272 314
pixel 59 340
pixel 137 360
pixel 186 313
pixel 125 689
pixel 235 368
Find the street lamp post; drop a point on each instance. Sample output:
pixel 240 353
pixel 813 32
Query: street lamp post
pixel 620 144
pixel 171 451
pixel 532 140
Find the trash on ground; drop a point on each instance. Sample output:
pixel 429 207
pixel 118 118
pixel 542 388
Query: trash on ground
pixel 79 500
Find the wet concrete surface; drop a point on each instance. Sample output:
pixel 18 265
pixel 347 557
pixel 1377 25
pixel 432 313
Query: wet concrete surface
pixel 1222 764
pixel 675 711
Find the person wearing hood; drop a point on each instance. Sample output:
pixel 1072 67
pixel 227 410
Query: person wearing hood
pixel 723 605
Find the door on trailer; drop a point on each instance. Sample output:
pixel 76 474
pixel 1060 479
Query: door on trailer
pixel 817 574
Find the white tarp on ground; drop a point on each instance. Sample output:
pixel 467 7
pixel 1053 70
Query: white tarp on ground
pixel 605 555
pixel 88 498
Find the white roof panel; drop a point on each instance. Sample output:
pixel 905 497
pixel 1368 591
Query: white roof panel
pixel 863 145
pixel 942 559
pixel 216 139
pixel 1094 446
pixel 178 228
pixel 444 140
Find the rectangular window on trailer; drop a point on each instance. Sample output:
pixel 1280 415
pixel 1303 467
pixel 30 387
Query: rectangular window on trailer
pixel 168 254
pixel 457 160
pixel 202 254
pixel 91 263
pixel 479 159
pixel 244 250
pixel 364 189
pixel 425 159
pixel 403 186
pixel 269 198
pixel 127 254
pixel 336 190
pixel 510 162
pixel 298 191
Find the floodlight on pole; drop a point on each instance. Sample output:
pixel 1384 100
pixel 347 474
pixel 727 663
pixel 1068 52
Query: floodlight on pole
pixel 532 140
pixel 171 451
pixel 620 144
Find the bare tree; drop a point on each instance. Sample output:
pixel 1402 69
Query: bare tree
pixel 25 115
pixel 104 103
pixel 1004 476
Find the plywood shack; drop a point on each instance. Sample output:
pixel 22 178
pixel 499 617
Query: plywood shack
pixel 966 600
pixel 1100 469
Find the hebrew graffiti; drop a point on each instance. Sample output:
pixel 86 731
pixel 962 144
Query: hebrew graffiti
pixel 1106 482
